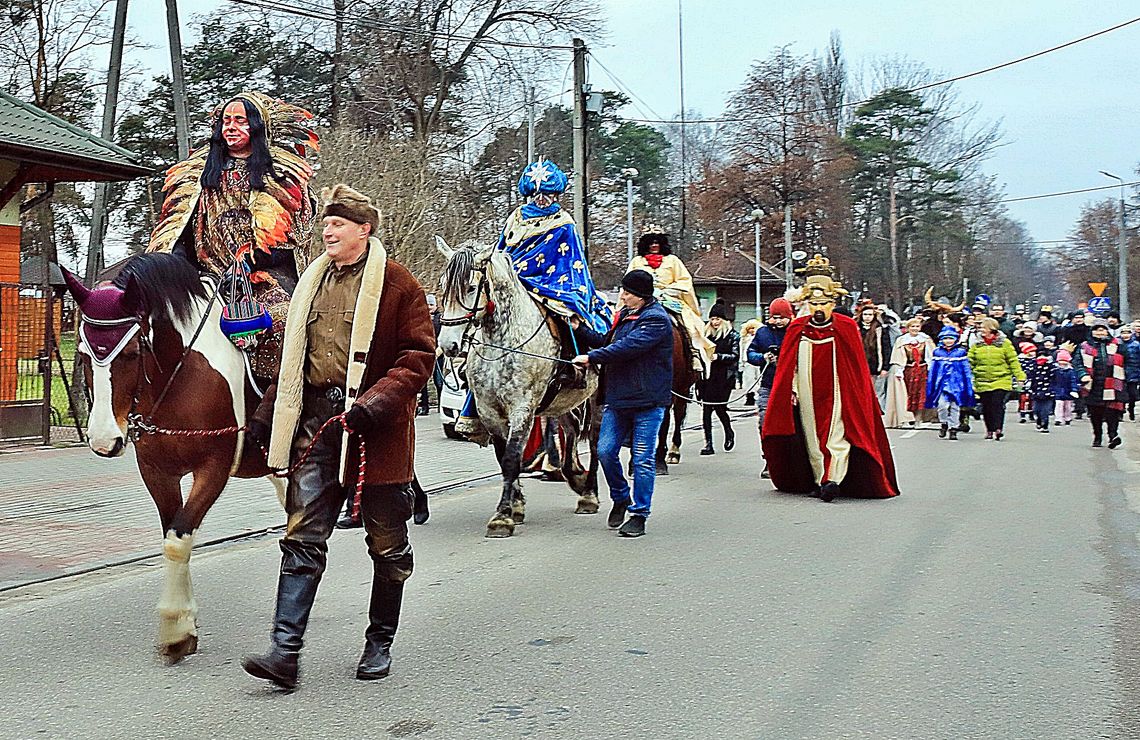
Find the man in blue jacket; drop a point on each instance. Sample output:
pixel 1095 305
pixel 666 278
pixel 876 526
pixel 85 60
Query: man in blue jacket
pixel 764 351
pixel 637 358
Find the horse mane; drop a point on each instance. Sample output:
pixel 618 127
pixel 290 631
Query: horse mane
pixel 457 274
pixel 160 281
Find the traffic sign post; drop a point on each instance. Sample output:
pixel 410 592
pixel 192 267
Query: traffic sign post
pixel 1100 304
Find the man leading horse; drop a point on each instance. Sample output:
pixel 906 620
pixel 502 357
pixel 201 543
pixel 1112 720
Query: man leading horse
pixel 359 337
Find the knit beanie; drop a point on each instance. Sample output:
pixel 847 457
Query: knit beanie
pixel 1027 347
pixel 341 200
pixel 1063 355
pixel 718 311
pixel 781 307
pixel 639 283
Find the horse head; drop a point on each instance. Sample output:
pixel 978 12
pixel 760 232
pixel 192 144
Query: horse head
pixel 467 287
pixel 116 331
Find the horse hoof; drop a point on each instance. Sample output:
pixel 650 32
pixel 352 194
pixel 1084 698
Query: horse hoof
pixel 500 528
pixel 587 504
pixel 176 651
pixel 518 517
pixel 673 458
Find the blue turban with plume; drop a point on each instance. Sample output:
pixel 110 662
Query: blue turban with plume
pixel 542 176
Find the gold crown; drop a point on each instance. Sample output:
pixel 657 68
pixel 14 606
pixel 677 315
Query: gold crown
pixel 821 286
pixel 817 265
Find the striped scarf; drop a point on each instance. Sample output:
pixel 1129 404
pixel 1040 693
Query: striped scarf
pixel 1114 380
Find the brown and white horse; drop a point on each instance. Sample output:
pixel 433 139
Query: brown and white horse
pixel 163 375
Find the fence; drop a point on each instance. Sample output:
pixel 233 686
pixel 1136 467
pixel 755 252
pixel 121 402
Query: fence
pixel 28 361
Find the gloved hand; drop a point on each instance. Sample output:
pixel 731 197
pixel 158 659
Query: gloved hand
pixel 257 432
pixel 357 419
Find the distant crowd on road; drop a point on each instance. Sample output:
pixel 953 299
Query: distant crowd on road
pixel 946 367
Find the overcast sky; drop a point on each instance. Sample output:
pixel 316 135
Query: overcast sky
pixel 1065 115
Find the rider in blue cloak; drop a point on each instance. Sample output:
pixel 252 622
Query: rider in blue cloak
pixel 550 259
pixel 543 243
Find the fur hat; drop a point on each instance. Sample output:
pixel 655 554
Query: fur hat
pixel 639 283
pixel 341 200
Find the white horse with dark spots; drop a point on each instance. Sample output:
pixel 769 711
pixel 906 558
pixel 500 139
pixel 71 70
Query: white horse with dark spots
pixel 163 375
pixel 512 362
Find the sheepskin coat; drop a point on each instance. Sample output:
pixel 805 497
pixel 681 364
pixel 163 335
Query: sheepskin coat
pixel 391 352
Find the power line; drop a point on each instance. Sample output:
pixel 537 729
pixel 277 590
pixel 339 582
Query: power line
pixel 625 88
pixel 1053 195
pixel 324 14
pixel 927 86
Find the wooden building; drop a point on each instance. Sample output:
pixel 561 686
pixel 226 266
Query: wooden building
pixel 37 147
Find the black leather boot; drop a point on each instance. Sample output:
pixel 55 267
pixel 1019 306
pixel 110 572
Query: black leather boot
pixel 708 449
pixel 383 618
pixel 295 594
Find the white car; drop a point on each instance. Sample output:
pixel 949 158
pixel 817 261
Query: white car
pixel 452 395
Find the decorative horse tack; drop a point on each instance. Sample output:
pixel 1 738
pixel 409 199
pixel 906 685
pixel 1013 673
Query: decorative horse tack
pixel 243 316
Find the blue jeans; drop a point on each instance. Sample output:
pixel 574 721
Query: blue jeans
pixel 616 427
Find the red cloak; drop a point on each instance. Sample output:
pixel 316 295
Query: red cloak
pixel 871 469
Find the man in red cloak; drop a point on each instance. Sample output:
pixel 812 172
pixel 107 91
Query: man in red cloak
pixel 823 433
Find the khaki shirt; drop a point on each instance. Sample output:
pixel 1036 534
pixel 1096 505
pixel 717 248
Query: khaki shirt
pixel 330 325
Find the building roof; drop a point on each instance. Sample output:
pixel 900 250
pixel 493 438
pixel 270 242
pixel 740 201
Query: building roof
pixel 32 272
pixel 717 266
pixel 49 149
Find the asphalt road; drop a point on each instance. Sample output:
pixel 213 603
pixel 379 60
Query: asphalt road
pixel 997 598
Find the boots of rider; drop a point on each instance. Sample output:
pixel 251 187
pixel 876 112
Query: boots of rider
pixel 301 568
pixel 383 619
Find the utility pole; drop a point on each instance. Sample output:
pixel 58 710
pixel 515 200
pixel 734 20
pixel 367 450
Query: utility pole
pixel 530 103
pixel 893 225
pixel 181 120
pixel 681 91
pixel 756 215
pixel 579 130
pixel 1121 254
pixel 337 62
pixel 629 173
pixel 787 248
pixel 110 105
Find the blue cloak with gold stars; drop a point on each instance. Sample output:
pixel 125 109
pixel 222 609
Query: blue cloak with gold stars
pixel 547 254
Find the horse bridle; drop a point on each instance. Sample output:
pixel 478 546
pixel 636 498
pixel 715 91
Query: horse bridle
pixel 475 313
pixel 137 424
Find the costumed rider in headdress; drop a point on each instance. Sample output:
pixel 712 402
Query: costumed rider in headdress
pixel 823 433
pixel 241 208
pixel 674 286
pixel 547 253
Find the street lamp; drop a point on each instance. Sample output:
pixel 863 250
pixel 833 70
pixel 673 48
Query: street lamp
pixel 755 216
pixel 1121 253
pixel 630 174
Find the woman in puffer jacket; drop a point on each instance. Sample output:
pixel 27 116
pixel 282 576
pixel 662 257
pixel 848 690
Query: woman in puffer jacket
pixel 994 362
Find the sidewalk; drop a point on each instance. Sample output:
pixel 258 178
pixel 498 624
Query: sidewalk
pixel 67 510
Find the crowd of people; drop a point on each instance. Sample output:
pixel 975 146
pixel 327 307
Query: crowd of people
pixel 948 367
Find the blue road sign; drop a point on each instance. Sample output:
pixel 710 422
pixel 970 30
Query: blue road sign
pixel 1099 304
